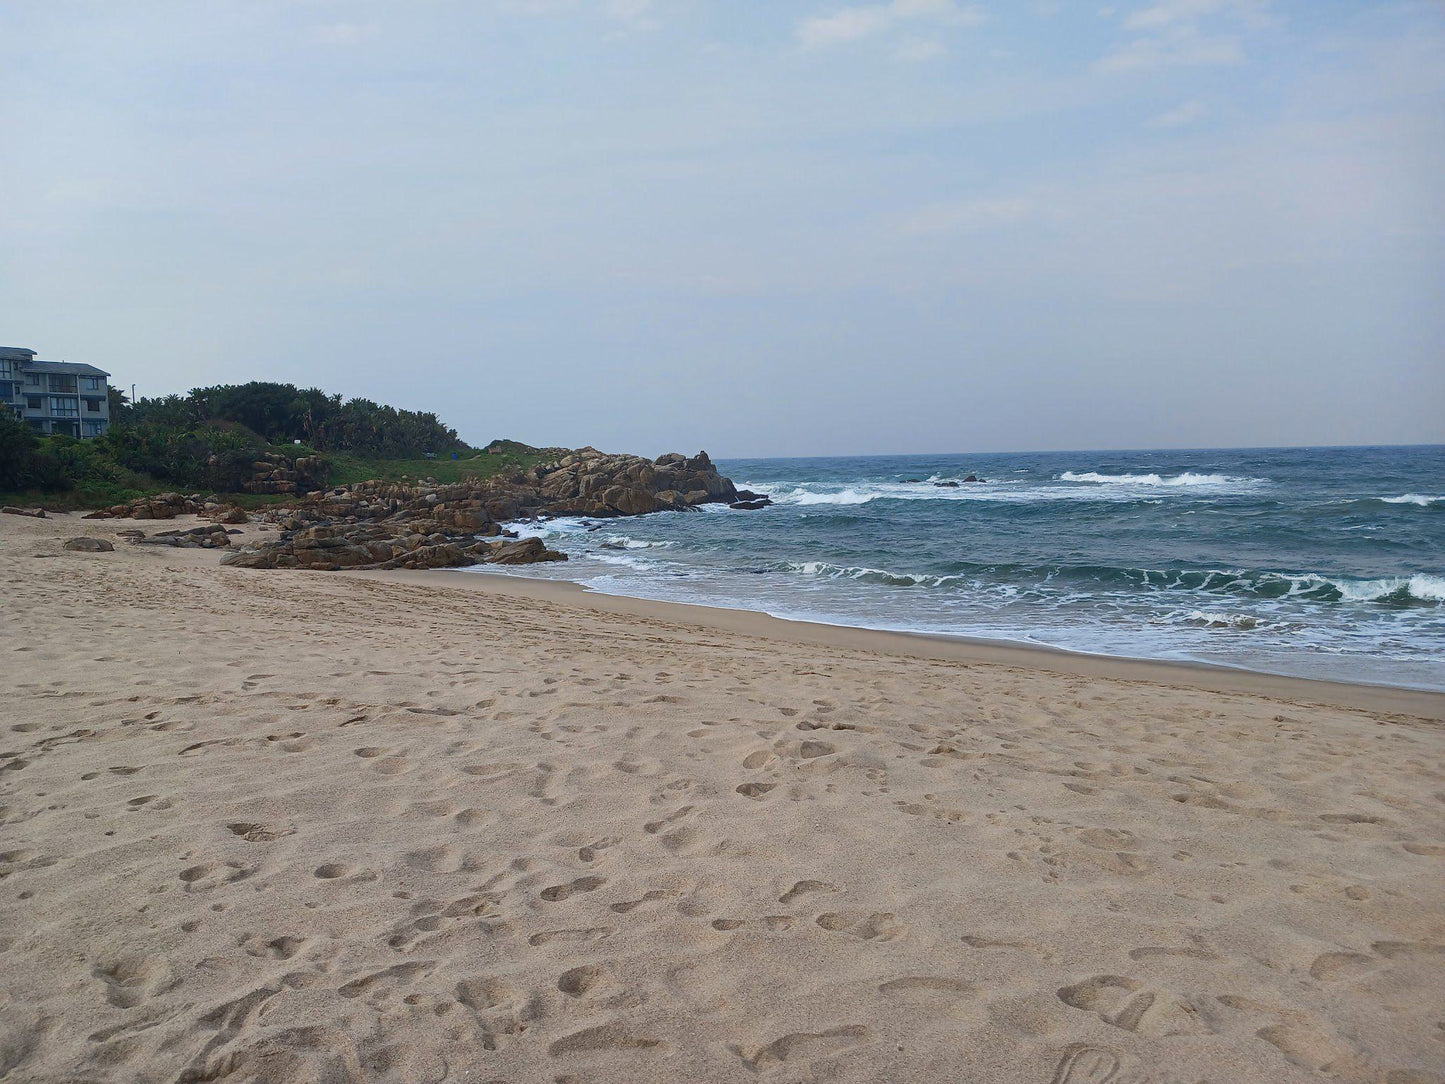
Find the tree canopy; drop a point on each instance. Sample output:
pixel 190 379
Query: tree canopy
pixel 281 413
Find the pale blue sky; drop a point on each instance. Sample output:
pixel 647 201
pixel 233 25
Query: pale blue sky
pixel 790 228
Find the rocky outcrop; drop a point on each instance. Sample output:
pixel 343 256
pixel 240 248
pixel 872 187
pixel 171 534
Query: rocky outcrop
pixel 335 546
pixel 86 544
pixel 212 536
pixel 171 505
pixel 161 506
pixel 748 501
pixel 425 524
pixel 581 483
pixel 274 473
pixel 225 513
pixel 592 483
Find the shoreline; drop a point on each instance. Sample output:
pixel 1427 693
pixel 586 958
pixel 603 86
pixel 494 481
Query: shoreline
pixel 1209 677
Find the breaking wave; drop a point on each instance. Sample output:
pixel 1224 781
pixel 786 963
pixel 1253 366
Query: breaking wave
pixel 622 542
pixel 1417 589
pixel 1188 478
pixel 1418 499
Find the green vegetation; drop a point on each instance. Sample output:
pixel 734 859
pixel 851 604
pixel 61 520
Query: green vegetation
pixel 282 413
pixel 346 469
pixel 207 441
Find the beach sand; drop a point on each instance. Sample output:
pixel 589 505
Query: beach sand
pixel 289 826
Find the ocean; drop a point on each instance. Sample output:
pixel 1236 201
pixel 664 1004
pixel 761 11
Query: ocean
pixel 1318 562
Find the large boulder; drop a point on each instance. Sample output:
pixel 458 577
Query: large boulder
pixel 413 544
pixel 86 544
pixel 211 536
pixel 523 551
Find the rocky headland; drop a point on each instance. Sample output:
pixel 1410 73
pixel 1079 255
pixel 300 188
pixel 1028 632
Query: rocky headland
pixel 382 525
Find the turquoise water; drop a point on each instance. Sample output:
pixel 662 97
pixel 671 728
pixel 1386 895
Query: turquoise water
pixel 1320 562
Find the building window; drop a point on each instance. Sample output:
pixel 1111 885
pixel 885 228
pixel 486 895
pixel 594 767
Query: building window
pixel 61 407
pixel 92 383
pixel 7 369
pixel 92 406
pixel 32 402
pixel 94 427
pixel 32 380
pixel 62 383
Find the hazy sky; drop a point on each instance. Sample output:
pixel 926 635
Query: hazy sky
pixel 759 228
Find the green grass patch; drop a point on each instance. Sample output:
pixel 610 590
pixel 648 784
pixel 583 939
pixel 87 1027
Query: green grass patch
pixel 348 469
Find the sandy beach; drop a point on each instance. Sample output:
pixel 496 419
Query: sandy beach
pixel 288 826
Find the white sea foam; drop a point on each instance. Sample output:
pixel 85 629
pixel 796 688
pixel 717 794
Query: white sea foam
pixel 1216 619
pixel 1414 498
pixel 876 575
pixel 622 542
pixel 621 559
pixel 1421 586
pixel 1187 478
pixel 550 528
pixel 1116 487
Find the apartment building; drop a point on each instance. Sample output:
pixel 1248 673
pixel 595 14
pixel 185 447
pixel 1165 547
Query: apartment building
pixel 54 396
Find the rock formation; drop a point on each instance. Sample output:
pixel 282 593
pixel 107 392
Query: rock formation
pixel 334 546
pixel 273 473
pixel 427 525
pixel 161 506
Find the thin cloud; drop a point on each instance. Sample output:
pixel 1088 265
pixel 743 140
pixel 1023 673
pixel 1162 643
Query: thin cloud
pixel 862 21
pixel 1180 117
pixel 1172 13
pixel 1185 34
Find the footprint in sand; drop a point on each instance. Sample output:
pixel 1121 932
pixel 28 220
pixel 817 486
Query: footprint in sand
pixel 257 833
pixel 584 980
pixel 604 1038
pixel 593 851
pixel 1084 1064
pixel 583 935
pixel 648 897
pixel 132 979
pixel 558 893
pixel 800 1047
pixel 802 888
pixel 379 985
pixel 208 875
pixel 755 791
pixel 878 926
pixel 1127 1004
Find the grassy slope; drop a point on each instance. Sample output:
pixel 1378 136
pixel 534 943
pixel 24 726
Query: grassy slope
pixel 346 469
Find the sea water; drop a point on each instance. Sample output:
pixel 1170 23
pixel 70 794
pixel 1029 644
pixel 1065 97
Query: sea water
pixel 1325 562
